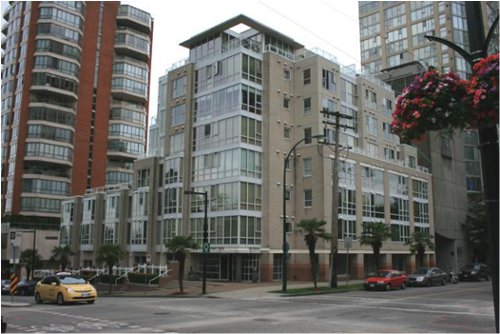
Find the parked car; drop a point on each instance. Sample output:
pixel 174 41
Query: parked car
pixel 26 287
pixel 5 287
pixel 385 279
pixel 65 288
pixel 427 276
pixel 474 271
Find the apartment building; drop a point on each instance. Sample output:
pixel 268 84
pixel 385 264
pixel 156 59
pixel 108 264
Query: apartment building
pixel 394 48
pixel 231 112
pixel 75 92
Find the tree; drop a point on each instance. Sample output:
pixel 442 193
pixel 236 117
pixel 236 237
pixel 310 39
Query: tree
pixel 179 246
pixel 26 260
pixel 374 234
pixel 61 254
pixel 313 230
pixel 418 242
pixel 111 255
pixel 476 228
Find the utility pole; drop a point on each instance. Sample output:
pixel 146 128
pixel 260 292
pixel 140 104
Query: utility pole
pixel 332 282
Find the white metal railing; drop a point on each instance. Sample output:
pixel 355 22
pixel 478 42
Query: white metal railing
pixel 125 274
pixel 161 275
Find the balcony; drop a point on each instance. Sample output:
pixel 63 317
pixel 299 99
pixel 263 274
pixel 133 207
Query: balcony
pixel 135 46
pixel 127 89
pixel 134 18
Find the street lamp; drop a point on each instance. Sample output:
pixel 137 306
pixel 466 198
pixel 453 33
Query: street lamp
pixel 206 246
pixel 285 247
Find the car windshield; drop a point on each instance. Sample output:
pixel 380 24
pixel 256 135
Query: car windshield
pixel 383 274
pixel 72 280
pixel 421 271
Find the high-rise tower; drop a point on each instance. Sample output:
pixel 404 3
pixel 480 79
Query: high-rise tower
pixel 75 92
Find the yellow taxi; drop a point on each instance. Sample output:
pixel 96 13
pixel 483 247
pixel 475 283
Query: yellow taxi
pixel 65 288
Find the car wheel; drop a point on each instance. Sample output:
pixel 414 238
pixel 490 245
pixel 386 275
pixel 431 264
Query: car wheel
pixel 91 301
pixel 22 293
pixel 487 277
pixel 429 282
pixel 38 299
pixel 60 299
pixel 443 282
pixel 388 287
pixel 403 286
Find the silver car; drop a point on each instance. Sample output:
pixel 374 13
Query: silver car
pixel 427 276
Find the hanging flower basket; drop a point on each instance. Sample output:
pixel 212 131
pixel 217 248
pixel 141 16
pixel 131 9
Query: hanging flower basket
pixel 432 102
pixel 482 92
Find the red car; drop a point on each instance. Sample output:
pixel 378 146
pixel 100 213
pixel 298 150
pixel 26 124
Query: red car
pixel 385 279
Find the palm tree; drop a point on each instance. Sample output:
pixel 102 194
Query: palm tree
pixel 28 261
pixel 374 234
pixel 179 246
pixel 418 242
pixel 61 255
pixel 111 255
pixel 313 230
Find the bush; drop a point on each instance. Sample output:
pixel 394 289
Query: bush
pixel 142 278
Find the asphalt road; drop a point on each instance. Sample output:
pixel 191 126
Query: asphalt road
pixel 463 308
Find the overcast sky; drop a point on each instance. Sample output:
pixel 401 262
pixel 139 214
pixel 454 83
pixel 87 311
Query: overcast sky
pixel 329 25
pixel 326 24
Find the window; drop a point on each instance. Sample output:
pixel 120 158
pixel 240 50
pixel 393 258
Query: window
pixel 373 205
pixel 419 189
pixel 386 127
pixel 307 166
pixel 372 150
pixel 370 99
pixel 399 209
pixel 371 125
pixel 286 74
pixel 307 76
pixel 400 232
pixel 398 184
pixel 286 103
pixel 307 105
pixel 307 135
pixel 178 113
pixel 179 87
pixel 421 212
pixel 347 228
pixel 142 178
pixel 347 201
pixel 328 80
pixel 389 154
pixel 308 199
pixel 446 148
pixel 286 132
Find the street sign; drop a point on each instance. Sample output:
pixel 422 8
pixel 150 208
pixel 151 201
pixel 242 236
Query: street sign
pixel 206 247
pixel 16 238
pixel 14 256
pixel 348 242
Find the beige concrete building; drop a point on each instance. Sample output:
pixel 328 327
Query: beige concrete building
pixel 230 114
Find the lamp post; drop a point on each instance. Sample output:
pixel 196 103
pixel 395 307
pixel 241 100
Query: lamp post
pixel 206 245
pixel 488 135
pixel 285 246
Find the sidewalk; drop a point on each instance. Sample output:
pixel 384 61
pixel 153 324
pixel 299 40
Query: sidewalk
pixel 216 289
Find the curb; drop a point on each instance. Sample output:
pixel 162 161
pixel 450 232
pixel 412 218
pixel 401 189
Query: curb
pixel 9 304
